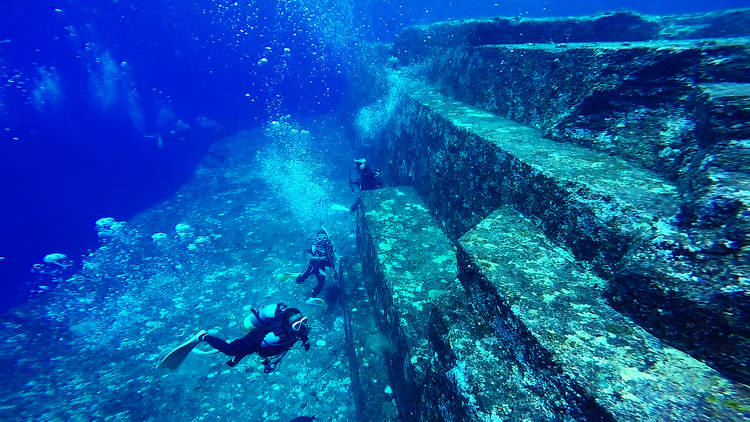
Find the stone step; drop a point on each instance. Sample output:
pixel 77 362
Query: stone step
pixel 719 194
pixel 469 160
pixel 446 364
pixel 612 215
pixel 613 26
pixel 550 312
pixel 726 107
pixel 366 348
pixel 634 100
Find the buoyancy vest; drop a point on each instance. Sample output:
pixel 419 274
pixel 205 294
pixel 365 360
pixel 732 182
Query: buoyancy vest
pixel 272 322
pixel 274 343
pixel 322 247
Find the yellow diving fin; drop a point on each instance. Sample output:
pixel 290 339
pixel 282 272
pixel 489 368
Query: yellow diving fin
pixel 285 275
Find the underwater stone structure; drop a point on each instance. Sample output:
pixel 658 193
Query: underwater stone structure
pixel 366 347
pixel 551 313
pixel 614 151
pixel 446 362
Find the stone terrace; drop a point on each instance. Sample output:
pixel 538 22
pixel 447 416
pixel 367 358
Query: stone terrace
pixel 551 312
pixel 592 172
pixel 609 213
pixel 446 363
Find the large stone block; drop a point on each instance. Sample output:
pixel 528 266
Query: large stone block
pixel 675 105
pixel 551 313
pixel 717 194
pixel 412 42
pixel 724 23
pixel 467 161
pixel 634 100
pixel 446 364
pixel 366 348
pixel 611 214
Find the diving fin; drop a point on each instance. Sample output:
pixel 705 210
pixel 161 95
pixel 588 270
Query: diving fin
pixel 205 352
pixel 339 207
pixel 174 359
pixel 285 275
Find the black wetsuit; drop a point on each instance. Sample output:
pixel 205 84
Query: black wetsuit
pixel 254 343
pixel 322 251
pixel 368 178
pixel 239 348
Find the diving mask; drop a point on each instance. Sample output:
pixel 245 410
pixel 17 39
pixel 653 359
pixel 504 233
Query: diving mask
pixel 299 324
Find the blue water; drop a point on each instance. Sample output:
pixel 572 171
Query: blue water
pixel 108 107
pixel 89 86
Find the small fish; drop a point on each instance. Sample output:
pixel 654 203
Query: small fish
pixel 303 419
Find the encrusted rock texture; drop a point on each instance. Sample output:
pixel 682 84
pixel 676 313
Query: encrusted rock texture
pixel 621 136
pixel 446 363
pixel 550 311
pixel 643 88
pixel 366 347
pixel 618 83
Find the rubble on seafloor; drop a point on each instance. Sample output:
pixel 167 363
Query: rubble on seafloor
pixel 88 349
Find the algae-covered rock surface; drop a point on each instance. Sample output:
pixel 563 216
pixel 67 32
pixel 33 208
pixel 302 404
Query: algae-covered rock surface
pixel 591 172
pixel 673 101
pixel 446 363
pixel 367 348
pixel 628 153
pixel 552 311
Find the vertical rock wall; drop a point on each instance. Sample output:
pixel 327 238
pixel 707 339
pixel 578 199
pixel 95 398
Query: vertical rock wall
pixel 654 198
pixel 625 151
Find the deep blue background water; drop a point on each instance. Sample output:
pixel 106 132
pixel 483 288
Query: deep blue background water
pixel 87 86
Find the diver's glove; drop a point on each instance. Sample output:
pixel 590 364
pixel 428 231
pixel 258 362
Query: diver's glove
pixel 306 345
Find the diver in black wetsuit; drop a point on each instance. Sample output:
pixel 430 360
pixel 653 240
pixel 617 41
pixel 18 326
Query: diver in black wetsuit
pixel 273 331
pixel 322 256
pixel 369 178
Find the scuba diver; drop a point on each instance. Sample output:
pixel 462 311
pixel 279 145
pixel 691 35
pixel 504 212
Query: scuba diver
pixel 369 178
pixel 273 331
pixel 323 255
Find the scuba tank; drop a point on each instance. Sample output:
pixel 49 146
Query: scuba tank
pixel 259 319
pixel 286 330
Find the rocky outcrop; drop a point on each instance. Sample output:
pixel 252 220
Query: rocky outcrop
pixel 640 88
pixel 413 42
pixel 635 100
pixel 446 363
pixel 551 311
pixel 366 347
pixel 629 154
pixel 592 172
